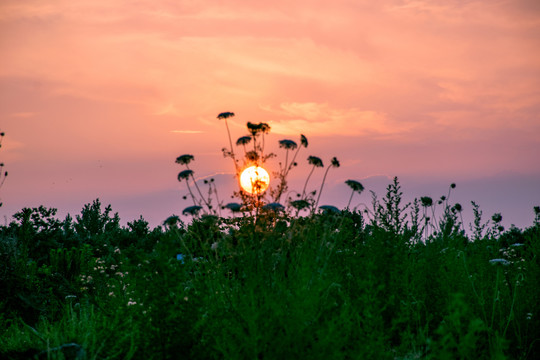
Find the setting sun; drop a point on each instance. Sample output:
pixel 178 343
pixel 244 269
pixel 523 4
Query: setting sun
pixel 254 180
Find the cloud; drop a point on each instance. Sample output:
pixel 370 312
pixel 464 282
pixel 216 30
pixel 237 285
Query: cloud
pixel 320 119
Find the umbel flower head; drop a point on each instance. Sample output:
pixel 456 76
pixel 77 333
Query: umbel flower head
pixel 183 175
pixel 225 115
pixel 287 144
pixel 244 140
pixel 300 204
pixel 255 129
pixel 426 201
pixel 303 140
pixel 184 159
pixel 315 161
pixel 355 185
pixel 335 162
pixel 274 206
pixel 192 210
pixel 329 209
pixel 234 207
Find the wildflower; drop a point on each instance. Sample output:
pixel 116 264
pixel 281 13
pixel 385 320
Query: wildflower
pixel 131 303
pixel 214 246
pixel 299 204
pixel 171 221
pixel 315 161
pixel 453 185
pixel 287 144
pixel 183 175
pixel 426 201
pixel 355 185
pixel 497 218
pixel 234 207
pixel 329 209
pixel 184 159
pixel 503 262
pixel 458 207
pixel 303 141
pixel 335 162
pixel 192 210
pixel 275 206
pixel 225 115
pixel 244 140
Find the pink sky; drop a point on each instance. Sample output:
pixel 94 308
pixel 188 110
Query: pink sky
pixel 97 98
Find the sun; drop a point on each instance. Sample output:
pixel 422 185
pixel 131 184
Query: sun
pixel 254 180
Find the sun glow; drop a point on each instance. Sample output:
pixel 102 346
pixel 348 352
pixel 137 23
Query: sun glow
pixel 254 180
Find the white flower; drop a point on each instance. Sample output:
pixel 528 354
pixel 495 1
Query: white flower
pixel 499 262
pixel 214 246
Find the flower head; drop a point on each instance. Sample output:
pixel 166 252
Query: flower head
pixel 182 175
pixel 244 140
pixel 225 115
pixel 329 209
pixel 274 206
pixel 303 140
pixel 502 262
pixel 355 185
pixel 335 162
pixel 426 201
pixel 184 159
pixel 234 207
pixel 192 210
pixel 287 144
pixel 299 204
pixel 315 161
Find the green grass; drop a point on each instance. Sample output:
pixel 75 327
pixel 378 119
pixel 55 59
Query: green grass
pixel 327 286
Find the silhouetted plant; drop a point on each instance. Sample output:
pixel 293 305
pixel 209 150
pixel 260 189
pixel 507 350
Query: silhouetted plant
pixel 333 163
pixel 356 187
pixel 288 145
pixel 3 174
pixel 228 152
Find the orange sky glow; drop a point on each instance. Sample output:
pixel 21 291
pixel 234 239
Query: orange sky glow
pixel 97 98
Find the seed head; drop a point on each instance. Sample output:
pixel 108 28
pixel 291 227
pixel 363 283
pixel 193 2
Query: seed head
pixel 335 162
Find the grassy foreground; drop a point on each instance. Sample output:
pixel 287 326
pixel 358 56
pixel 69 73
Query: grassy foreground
pixel 326 286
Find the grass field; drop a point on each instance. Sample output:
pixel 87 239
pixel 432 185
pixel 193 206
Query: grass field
pixel 390 284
